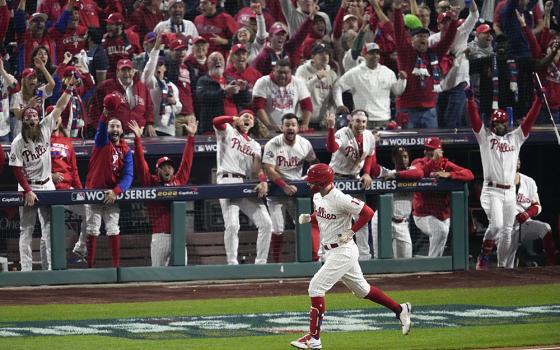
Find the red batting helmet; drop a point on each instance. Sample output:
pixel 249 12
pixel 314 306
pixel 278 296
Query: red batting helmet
pixel 499 116
pixel 319 176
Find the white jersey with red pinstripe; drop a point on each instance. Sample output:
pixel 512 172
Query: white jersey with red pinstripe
pixel 349 158
pixel 236 152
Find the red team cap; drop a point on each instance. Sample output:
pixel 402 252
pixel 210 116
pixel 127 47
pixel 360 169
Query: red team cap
pixel 499 116
pixel 249 111
pixel 483 28
pixel 124 63
pixel 277 28
pixel 162 161
pixel 199 40
pixel 69 70
pixel 28 72
pixel 179 44
pixel 111 101
pixel 432 143
pixel 238 47
pixel 115 18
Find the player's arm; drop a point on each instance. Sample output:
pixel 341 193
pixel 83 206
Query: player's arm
pixel 307 109
pixel 532 115
pixel 275 177
pixel 364 217
pixel 332 143
pixel 221 122
pixel 262 187
pixel 458 172
pixel 412 173
pixel 375 168
pixel 184 171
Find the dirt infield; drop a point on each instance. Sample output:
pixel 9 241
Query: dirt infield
pixel 229 289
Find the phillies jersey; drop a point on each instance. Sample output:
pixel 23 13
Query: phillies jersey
pixel 72 40
pixel 527 194
pixel 122 46
pixel 236 152
pixel 63 160
pixel 499 154
pixel 349 158
pixel 34 157
pixel 334 213
pixel 288 159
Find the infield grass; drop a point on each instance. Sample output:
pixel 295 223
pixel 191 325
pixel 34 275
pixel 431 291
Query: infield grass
pixel 508 335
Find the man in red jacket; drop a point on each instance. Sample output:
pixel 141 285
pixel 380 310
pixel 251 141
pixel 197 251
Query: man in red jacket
pixel 166 176
pixel 431 210
pixel 136 102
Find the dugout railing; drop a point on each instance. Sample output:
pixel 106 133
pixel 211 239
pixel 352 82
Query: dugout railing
pixel 302 267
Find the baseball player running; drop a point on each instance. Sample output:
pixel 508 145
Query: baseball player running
pixel 166 176
pixel 30 158
pixel 353 150
pixel 283 161
pixel 499 150
pixel 110 168
pixel 431 210
pixel 238 157
pixel 334 211
pixel 525 228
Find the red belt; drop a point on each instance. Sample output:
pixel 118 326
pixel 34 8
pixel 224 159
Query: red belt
pixel 330 246
pixel 505 187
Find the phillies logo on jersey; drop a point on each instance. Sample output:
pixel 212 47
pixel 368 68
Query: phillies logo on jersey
pixel 322 213
pixel 521 199
pixel 501 146
pixel 288 162
pixel 351 152
pixel 243 148
pixel 30 155
pixel 116 50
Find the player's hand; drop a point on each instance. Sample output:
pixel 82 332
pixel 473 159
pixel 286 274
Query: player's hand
pixel 136 129
pixel 150 131
pixel 522 217
pixel 57 178
pixel 30 198
pixel 110 197
pixel 304 219
pixel 262 189
pixel 441 174
pixel 289 190
pixel 366 181
pixel 191 128
pixel 345 236
pixel 391 175
pixel 330 120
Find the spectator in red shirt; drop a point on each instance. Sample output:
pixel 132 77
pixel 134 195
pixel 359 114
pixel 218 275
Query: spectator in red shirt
pixel 239 68
pixel 119 43
pixel 217 27
pixel 68 34
pixel 146 16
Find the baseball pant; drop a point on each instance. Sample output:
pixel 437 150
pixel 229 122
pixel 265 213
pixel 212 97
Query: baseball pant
pixel 27 219
pixel 341 264
pixel 402 243
pixel 437 231
pixel 362 236
pixel 80 210
pixel 500 208
pixel 277 206
pixel 160 249
pixel 530 230
pixel 109 213
pixel 255 209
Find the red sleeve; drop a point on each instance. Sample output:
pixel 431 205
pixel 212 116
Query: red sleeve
pixel 184 171
pixel 415 173
pixel 314 218
pixel 21 179
pixel 332 146
pixel 4 21
pixel 531 116
pixel 544 38
pixel 472 111
pixel 365 216
pixel 458 172
pixel 533 45
pixel 337 25
pixel 142 169
pixel 306 104
pixel 367 164
pixel 375 167
pixel 533 210
pixel 220 122
pixel 76 183
pixel 443 46
pixel 259 103
pixel 299 36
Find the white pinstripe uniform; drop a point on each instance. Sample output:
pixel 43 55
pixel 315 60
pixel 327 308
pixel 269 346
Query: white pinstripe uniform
pixel 288 162
pixel 35 158
pixel 347 161
pixel 402 243
pixel 236 157
pixel 530 230
pixel 334 215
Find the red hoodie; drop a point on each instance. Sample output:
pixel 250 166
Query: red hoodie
pixel 63 160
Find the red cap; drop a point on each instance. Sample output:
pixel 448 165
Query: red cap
pixel 443 16
pixel 432 143
pixel 124 63
pixel 112 101
pixel 499 116
pixel 69 70
pixel 199 39
pixel 115 18
pixel 162 161
pixel 483 28
pixel 238 47
pixel 27 72
pixel 179 44
pixel 250 111
pixel 277 28
pixel 392 125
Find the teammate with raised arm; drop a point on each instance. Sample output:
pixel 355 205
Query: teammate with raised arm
pixel 282 162
pixel 30 158
pixel 499 151
pixel 353 151
pixel 159 212
pixel 238 158
pixel 333 211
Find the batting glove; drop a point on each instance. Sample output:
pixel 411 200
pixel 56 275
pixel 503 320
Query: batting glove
pixel 304 219
pixel 522 217
pixel 345 237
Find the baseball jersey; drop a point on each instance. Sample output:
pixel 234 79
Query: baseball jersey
pixel 499 154
pixel 288 159
pixel 334 213
pixel 526 193
pixel 280 99
pixel 34 157
pixel 236 152
pixel 349 159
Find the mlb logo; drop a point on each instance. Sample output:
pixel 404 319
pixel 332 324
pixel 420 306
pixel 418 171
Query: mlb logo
pixel 78 196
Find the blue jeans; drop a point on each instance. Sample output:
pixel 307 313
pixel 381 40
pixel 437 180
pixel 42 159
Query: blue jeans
pixel 452 106
pixel 421 118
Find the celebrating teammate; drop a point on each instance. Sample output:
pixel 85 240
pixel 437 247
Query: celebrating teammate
pixel 238 158
pixel 30 158
pixel 499 150
pixel 110 169
pixel 431 210
pixel 525 228
pixel 334 211
pixel 166 176
pixel 283 161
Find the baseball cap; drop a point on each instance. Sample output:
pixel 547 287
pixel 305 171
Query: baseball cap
pixel 432 143
pixel 238 47
pixel 69 70
pixel 371 47
pixel 28 72
pixel 179 44
pixel 348 16
pixel 112 101
pixel 38 15
pixel 443 16
pixel 250 111
pixel 162 161
pixel 483 28
pixel 277 28
pixel 150 36
pixel 124 63
pixel 420 30
pixel 115 18
pixel 199 39
pixel 319 48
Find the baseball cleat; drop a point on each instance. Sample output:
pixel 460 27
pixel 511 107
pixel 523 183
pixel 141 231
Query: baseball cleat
pixel 80 251
pixel 404 317
pixel 482 262
pixel 307 342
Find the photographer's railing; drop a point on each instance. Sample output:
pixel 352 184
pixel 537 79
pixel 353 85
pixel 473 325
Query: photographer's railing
pixel 303 267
